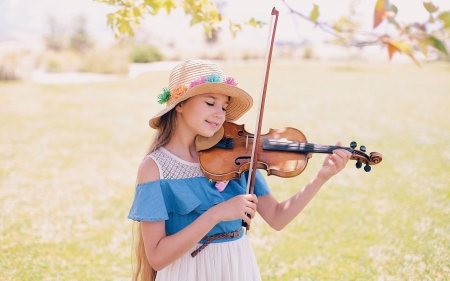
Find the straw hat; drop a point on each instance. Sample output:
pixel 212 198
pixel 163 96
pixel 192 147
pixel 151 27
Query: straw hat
pixel 196 77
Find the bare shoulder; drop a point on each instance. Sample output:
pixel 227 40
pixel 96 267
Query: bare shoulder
pixel 148 171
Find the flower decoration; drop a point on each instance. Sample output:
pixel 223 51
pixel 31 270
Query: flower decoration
pixel 178 91
pixel 165 96
pixel 168 95
pixel 213 78
pixel 230 81
pixel 198 81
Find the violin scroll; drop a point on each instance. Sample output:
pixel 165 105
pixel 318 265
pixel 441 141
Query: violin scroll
pixel 362 158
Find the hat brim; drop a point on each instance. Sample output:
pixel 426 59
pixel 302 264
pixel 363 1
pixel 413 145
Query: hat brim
pixel 240 101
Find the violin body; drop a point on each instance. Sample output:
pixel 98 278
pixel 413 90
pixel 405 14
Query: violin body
pixel 220 164
pixel 282 152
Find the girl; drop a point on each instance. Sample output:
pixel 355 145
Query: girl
pixel 190 228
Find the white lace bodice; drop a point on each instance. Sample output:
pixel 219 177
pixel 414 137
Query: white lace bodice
pixel 173 167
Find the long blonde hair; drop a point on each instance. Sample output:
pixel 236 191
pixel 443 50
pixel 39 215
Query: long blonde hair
pixel 143 270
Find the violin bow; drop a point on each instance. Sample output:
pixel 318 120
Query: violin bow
pixel 256 139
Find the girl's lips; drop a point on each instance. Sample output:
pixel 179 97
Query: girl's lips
pixel 212 124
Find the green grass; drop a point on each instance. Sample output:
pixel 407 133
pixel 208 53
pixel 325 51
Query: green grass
pixel 69 156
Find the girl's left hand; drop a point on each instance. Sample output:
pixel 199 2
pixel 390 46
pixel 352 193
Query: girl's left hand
pixel 334 163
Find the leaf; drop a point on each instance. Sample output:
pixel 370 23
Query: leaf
pixel 445 18
pixel 378 13
pixel 234 28
pixel 109 2
pixel 196 18
pixel 384 9
pixel 255 23
pixel 423 46
pixel 391 50
pixel 169 5
pixel 431 8
pixel 433 42
pixel 137 12
pixel 111 18
pixel 154 4
pixel 394 22
pixel 391 8
pixel 314 13
pixel 402 46
pixel 437 44
pixel 124 27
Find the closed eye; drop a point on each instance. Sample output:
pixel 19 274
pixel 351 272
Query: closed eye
pixel 212 104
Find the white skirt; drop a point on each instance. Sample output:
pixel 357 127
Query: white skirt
pixel 228 261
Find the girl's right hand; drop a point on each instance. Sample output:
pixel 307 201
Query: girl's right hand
pixel 237 208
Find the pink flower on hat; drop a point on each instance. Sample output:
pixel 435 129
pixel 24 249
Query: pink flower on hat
pixel 230 81
pixel 197 82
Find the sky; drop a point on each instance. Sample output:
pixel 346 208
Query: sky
pixel 27 19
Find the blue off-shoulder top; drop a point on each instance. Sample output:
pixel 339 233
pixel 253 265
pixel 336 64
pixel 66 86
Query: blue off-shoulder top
pixel 179 202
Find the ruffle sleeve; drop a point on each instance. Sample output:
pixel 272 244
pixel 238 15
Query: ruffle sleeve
pixel 153 201
pixel 156 200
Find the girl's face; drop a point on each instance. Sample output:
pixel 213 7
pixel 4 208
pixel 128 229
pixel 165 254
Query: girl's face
pixel 203 114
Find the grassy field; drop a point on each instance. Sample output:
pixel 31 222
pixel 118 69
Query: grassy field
pixel 69 156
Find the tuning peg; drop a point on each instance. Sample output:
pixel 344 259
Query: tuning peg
pixel 367 168
pixel 362 148
pixel 353 144
pixel 358 164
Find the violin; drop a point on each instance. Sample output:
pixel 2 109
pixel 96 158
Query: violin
pixel 282 152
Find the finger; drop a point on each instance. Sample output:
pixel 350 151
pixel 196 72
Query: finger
pixel 250 212
pixel 251 205
pixel 341 153
pixel 251 198
pixel 246 219
pixel 348 153
pixel 334 164
pixel 342 160
pixel 337 161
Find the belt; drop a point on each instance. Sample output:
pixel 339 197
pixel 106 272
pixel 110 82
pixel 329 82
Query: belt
pixel 223 235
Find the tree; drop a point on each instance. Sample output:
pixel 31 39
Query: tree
pixel 402 38
pixel 54 40
pixel 80 40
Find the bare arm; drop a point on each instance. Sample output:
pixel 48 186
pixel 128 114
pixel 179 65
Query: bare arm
pixel 161 250
pixel 278 215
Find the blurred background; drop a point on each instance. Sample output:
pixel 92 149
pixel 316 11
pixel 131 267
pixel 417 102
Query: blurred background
pixel 72 37
pixel 75 102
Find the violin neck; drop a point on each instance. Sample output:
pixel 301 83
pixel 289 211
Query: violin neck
pixel 300 147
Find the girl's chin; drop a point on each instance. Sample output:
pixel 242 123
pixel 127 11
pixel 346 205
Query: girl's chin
pixel 207 134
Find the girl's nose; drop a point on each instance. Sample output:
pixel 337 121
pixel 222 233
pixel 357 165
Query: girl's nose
pixel 220 114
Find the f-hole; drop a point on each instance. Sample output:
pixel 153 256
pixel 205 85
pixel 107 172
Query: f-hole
pixel 237 160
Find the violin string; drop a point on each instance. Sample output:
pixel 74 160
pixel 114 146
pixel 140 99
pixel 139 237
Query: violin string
pixel 307 146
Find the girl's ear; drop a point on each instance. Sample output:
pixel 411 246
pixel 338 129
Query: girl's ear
pixel 178 107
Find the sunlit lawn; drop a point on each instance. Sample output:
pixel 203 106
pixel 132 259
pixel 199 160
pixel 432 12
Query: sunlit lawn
pixel 69 155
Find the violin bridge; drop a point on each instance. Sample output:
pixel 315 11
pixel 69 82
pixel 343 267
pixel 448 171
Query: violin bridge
pixel 246 143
